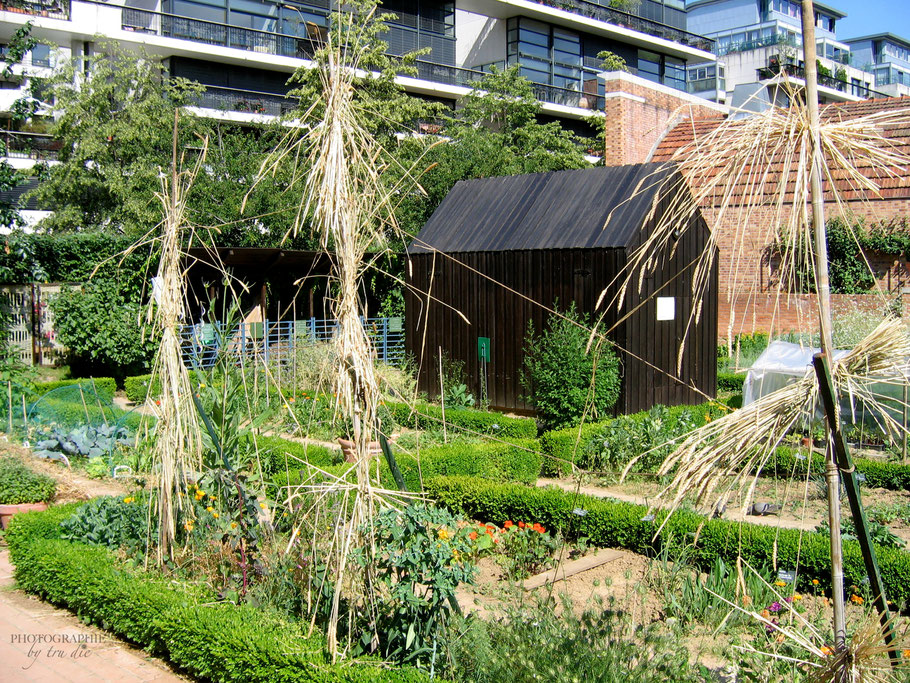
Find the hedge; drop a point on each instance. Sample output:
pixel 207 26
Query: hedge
pixel 278 455
pixel 218 642
pixel 729 381
pixel 428 416
pixel 73 413
pixel 613 524
pixel 492 461
pixel 19 484
pixel 104 387
pixel 880 474
pixel 568 446
pixel 137 387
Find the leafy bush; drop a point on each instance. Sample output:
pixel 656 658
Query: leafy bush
pixel 101 330
pixel 429 417
pixel 878 473
pixel 728 381
pixel 136 387
pixel 19 484
pixel 224 643
pixel 111 521
pixel 103 387
pixel 85 441
pixel 65 413
pixel 535 641
pixel 558 372
pixel 277 454
pixel 420 558
pixel 614 524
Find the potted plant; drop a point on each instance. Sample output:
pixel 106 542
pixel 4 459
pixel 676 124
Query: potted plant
pixel 22 490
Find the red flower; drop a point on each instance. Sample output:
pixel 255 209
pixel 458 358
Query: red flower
pixel 473 535
pixel 489 531
pixel 521 525
pixel 508 524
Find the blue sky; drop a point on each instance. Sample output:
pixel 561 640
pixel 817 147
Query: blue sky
pixel 872 16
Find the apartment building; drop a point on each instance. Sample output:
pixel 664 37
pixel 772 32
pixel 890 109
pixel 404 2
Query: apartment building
pixel 759 47
pixel 887 57
pixel 243 51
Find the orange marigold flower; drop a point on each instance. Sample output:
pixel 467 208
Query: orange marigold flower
pixel 814 582
pixel 827 650
pixel 521 525
pixel 473 535
pixel 857 599
pixel 906 654
pixel 508 524
pixel 766 614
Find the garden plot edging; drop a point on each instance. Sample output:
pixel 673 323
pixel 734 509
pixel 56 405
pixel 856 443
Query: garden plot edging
pixel 571 568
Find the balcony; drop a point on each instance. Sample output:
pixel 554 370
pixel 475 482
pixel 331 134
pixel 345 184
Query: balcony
pixel 795 71
pixel 37 146
pixel 55 9
pixel 245 101
pixel 609 15
pixel 469 78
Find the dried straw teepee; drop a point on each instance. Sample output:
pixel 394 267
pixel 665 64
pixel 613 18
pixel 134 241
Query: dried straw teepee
pixel 350 208
pixel 178 442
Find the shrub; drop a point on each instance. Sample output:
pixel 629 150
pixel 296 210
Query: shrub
pixel 111 521
pixel 222 642
pixel 19 484
pixel 729 381
pixel 878 473
pixel 429 417
pixel 137 387
pixel 103 387
pixel 558 371
pixel 66 413
pixel 614 524
pixel 101 329
pixel 277 454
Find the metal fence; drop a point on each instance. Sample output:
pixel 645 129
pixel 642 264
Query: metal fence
pixel 277 341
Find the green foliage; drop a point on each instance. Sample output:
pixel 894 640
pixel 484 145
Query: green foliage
pixel 611 444
pixel 879 533
pixel 526 548
pixel 612 61
pixel 101 329
pixel 115 124
pixel 536 641
pixel 19 484
pixel 429 417
pixel 64 412
pixel 613 524
pixel 137 387
pixel 878 473
pixel 278 455
pixel 112 521
pixel 563 380
pixel 222 643
pixel 420 559
pixel 103 387
pixel 728 381
pixel 85 441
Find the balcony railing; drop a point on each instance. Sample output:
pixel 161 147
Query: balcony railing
pixel 36 146
pixel 614 16
pixel 469 78
pixel 246 101
pixel 55 9
pixel 796 71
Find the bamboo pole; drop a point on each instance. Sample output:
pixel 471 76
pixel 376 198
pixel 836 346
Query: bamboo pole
pixel 823 289
pixel 9 393
pixel 442 398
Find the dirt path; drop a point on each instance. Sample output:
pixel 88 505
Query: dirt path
pixel 41 643
pixel 730 514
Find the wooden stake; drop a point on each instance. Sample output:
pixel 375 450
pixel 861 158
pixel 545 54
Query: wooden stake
pixel 9 391
pixel 824 315
pixel 442 398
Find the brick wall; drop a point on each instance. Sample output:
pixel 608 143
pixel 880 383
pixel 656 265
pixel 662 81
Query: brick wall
pixel 639 113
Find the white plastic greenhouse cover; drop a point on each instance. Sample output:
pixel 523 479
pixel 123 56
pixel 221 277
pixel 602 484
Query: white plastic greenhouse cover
pixel 782 363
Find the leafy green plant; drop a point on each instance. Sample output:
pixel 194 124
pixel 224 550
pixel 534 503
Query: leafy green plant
pixel 19 484
pixel 562 378
pixel 878 532
pixel 474 422
pixel 85 441
pixel 458 396
pixel 420 559
pixel 537 641
pixel 111 521
pixel 526 549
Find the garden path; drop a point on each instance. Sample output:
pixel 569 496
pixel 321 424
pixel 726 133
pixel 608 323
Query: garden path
pixel 78 653
pixel 730 514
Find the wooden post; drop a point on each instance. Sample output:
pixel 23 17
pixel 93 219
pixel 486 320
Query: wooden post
pixel 838 445
pixel 9 393
pixel 823 288
pixel 442 398
pixel 904 424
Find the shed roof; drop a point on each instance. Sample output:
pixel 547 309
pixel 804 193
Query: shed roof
pixel 554 210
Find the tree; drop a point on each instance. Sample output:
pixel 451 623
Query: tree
pixel 115 122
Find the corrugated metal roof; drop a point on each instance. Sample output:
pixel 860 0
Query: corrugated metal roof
pixel 555 210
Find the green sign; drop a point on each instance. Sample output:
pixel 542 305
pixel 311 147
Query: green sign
pixel 483 348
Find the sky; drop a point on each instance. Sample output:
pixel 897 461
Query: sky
pixel 872 16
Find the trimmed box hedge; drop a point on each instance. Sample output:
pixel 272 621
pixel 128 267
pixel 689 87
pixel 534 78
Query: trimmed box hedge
pixel 278 455
pixel 613 524
pixel 219 642
pixel 104 387
pixel 19 484
pixel 70 413
pixel 137 387
pixel 428 416
pixel 729 381
pixel 879 474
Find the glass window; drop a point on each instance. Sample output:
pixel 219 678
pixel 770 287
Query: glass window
pixel 41 55
pixel 195 10
pixel 649 65
pixel 675 73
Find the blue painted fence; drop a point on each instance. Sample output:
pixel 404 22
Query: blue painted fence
pixel 277 341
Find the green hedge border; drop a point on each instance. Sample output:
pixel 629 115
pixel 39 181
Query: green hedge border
pixel 429 416
pixel 224 643
pixel 104 387
pixel 614 524
pixel 729 381
pixel 137 387
pixel 879 474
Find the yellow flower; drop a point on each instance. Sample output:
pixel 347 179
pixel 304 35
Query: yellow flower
pixel 209 509
pixel 906 654
pixel 215 515
pixel 827 651
pixel 233 525
pixel 857 599
pixel 814 582
pixel 188 526
pixel 797 596
pixel 211 497
pixel 780 583
pixel 443 534
pixel 262 505
pixel 128 499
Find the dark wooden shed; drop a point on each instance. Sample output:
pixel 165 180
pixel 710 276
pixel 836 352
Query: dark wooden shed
pixel 498 249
